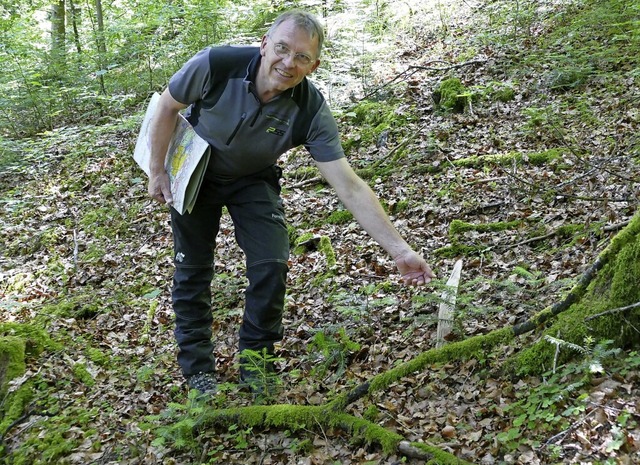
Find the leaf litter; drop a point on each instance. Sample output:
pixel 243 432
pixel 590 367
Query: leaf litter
pixel 54 207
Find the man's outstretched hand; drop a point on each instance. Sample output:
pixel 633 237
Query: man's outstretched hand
pixel 413 269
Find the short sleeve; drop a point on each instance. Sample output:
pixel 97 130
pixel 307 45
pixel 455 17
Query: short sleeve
pixel 192 81
pixel 323 140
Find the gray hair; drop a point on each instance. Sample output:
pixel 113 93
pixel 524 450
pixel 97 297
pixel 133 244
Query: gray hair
pixel 302 20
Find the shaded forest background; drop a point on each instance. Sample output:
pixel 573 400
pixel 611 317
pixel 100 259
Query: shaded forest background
pixel 504 133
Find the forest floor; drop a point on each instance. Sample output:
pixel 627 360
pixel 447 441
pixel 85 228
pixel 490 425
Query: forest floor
pixel 551 167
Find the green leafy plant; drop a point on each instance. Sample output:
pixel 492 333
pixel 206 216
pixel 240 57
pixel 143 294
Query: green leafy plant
pixel 260 368
pixel 553 404
pixel 332 352
pixel 178 423
pixel 593 354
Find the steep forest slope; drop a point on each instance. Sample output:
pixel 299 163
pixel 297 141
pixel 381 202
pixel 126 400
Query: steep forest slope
pixel 501 133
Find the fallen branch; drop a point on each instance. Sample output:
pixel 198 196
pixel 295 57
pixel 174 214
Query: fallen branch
pixel 306 182
pixel 561 435
pixel 612 311
pixel 309 417
pixel 608 228
pixel 622 238
pixel 411 70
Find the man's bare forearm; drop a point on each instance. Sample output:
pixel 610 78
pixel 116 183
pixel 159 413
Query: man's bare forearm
pixel 162 126
pixel 366 209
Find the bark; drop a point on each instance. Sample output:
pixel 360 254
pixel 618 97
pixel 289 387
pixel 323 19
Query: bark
pixel 73 15
pixel 58 31
pixel 101 44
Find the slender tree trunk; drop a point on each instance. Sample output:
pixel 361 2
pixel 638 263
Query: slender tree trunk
pixel 73 15
pixel 58 30
pixel 102 46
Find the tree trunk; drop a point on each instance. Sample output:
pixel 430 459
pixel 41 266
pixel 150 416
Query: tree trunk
pixel 58 30
pixel 101 44
pixel 73 15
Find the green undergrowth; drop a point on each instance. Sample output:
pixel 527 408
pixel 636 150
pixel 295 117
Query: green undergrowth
pixel 593 40
pixel 566 235
pixel 12 360
pixel 20 345
pixel 376 122
pixel 559 397
pixel 615 286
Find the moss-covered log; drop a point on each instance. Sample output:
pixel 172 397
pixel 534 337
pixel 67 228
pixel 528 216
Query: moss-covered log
pixel 613 281
pixel 298 417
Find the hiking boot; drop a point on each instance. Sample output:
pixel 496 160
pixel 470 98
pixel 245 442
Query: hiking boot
pixel 203 382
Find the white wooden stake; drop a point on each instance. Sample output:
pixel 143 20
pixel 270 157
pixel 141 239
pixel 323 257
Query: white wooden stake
pixel 448 304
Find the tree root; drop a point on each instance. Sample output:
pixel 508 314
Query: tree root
pixel 332 414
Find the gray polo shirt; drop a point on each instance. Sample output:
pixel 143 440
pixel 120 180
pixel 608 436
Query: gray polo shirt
pixel 247 136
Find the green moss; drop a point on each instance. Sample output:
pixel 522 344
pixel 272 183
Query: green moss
pixel 330 415
pixel 501 91
pixel 476 346
pixel 51 448
pixel 293 234
pixel 615 286
pixel 302 243
pixel 14 405
pixel 81 307
pixel 303 172
pixel 366 173
pixel 36 339
pixel 371 413
pixel 502 159
pixel 439 456
pixel 327 250
pixel 399 207
pixel 504 94
pixel 370 432
pixel 452 95
pixel 81 373
pixel 569 230
pixel 340 217
pixel 12 360
pixel 459 250
pixel 458 227
pixel 374 118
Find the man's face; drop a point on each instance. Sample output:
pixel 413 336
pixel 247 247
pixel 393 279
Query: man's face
pixel 288 55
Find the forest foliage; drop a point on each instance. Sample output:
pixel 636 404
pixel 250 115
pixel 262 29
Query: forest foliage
pixel 503 132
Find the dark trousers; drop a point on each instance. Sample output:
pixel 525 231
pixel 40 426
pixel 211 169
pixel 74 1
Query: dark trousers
pixel 257 212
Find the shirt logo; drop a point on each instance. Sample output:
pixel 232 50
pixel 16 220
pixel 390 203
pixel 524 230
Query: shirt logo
pixel 275 131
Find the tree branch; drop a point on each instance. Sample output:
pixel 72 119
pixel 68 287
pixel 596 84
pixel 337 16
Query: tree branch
pixel 612 311
pixel 415 68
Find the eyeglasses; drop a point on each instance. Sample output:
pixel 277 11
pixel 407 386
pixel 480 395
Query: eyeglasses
pixel 299 59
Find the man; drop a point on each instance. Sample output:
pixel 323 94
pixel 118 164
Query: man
pixel 252 104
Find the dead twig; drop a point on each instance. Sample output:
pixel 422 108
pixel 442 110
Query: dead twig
pixel 608 228
pixel 306 182
pixel 411 70
pixel 573 427
pixel 613 310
